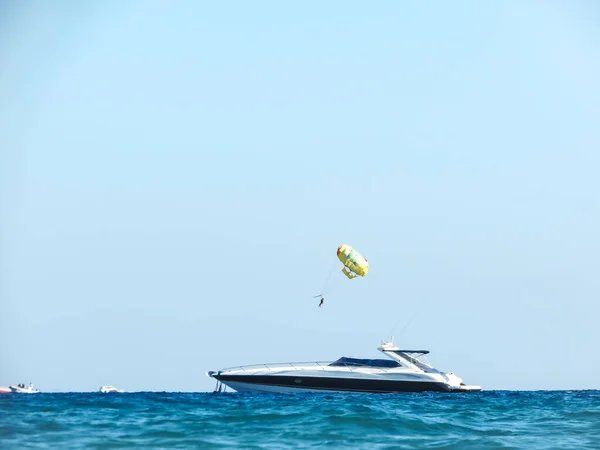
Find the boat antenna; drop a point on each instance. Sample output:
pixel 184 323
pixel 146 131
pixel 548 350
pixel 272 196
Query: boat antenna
pixel 405 326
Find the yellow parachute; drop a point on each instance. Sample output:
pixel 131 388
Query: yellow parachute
pixel 355 264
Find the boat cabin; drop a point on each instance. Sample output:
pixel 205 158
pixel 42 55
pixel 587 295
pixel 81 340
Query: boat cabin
pixel 410 359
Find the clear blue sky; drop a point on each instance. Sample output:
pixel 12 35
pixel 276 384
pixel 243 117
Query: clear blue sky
pixel 175 178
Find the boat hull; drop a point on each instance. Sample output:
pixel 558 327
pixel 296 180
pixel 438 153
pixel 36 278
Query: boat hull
pixel 291 384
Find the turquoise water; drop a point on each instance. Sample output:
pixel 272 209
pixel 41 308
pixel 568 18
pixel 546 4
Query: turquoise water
pixel 492 419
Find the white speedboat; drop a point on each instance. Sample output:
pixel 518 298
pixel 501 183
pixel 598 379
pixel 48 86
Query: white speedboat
pixel 404 371
pixel 110 389
pixel 22 389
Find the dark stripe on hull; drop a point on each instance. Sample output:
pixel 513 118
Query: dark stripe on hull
pixel 337 384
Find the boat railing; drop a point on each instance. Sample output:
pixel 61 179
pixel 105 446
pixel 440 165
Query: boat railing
pixel 318 365
pixel 276 366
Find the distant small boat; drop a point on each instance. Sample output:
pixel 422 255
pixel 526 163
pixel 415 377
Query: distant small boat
pixel 5 390
pixel 22 389
pixel 110 389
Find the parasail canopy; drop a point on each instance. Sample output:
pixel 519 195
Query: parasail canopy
pixel 354 263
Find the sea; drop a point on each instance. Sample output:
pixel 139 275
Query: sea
pixel 485 420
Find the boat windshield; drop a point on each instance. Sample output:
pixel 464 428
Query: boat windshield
pixel 359 362
pixel 414 358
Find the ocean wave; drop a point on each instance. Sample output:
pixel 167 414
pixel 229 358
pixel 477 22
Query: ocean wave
pixel 492 419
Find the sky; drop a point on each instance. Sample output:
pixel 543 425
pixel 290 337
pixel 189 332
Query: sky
pixel 175 179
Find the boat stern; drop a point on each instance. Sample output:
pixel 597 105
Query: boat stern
pixel 466 388
pixel 456 384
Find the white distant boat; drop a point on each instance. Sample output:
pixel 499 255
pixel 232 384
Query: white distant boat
pixel 5 390
pixel 110 389
pixel 22 389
